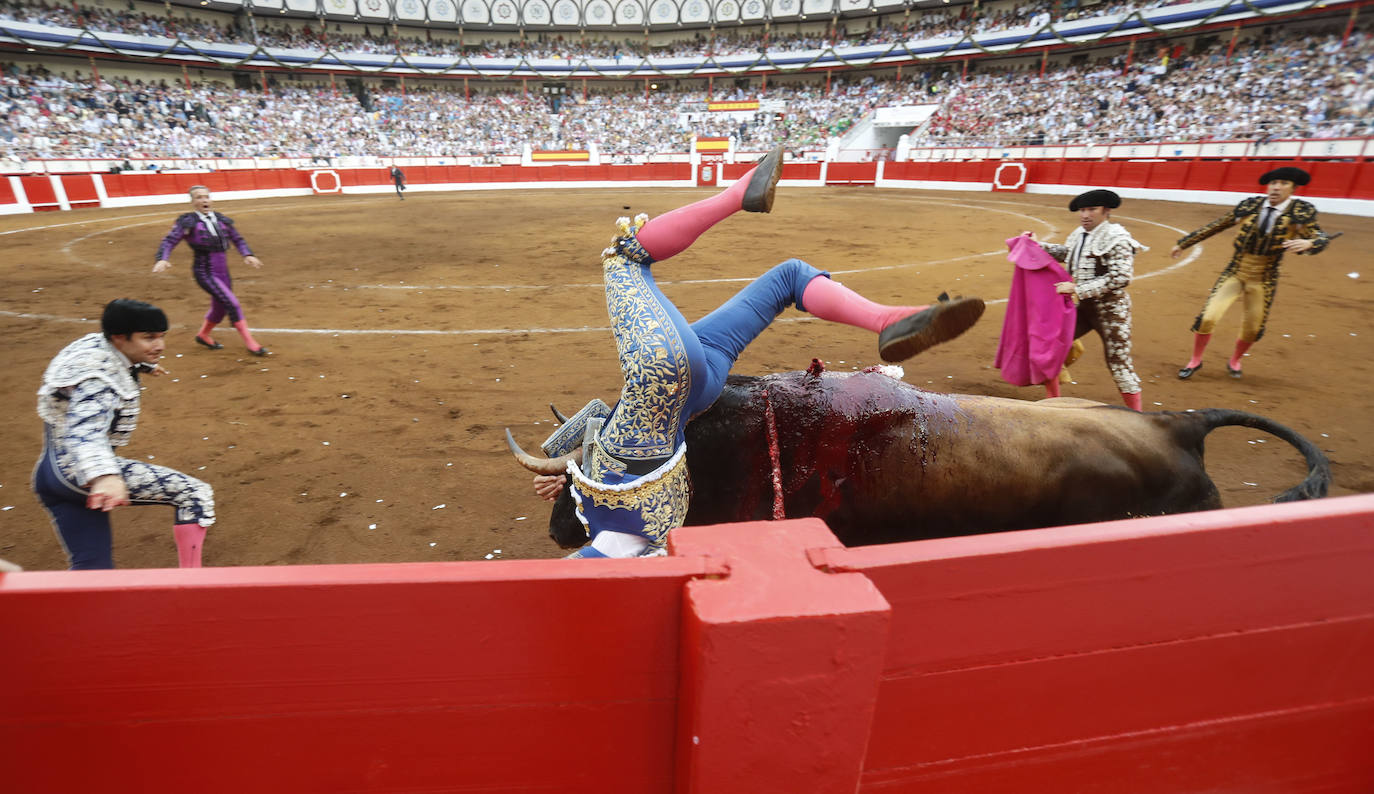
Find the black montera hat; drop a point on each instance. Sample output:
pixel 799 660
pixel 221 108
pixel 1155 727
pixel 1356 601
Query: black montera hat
pixel 1095 198
pixel 125 316
pixel 1295 175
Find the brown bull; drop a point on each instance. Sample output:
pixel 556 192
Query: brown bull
pixel 881 461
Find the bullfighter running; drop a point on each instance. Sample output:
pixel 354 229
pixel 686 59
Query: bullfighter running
pixel 209 234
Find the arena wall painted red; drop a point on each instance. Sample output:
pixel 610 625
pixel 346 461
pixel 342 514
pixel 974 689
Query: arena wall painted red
pixel 1230 650
pixel 1212 181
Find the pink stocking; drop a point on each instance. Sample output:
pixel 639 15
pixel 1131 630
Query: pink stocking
pixel 833 301
pixel 190 538
pixel 1199 344
pixel 242 327
pixel 672 232
pixel 1241 347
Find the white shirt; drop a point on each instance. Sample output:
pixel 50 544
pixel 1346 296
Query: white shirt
pixel 1278 209
pixel 209 219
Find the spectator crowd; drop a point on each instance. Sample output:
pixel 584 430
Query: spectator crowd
pixel 1280 83
pixel 937 23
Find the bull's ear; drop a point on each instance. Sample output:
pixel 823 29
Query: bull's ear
pixel 562 420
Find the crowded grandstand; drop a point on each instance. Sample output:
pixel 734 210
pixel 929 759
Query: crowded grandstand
pixel 72 88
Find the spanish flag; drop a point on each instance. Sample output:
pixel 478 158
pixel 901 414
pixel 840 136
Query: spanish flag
pixel 748 104
pixel 566 156
pixel 713 144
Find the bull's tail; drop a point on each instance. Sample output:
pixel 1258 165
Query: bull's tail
pixel 1318 479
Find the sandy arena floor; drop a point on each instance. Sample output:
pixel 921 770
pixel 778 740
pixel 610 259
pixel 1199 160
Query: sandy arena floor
pixel 406 335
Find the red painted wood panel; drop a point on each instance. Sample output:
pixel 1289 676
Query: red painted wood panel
pixel 1050 172
pixel 1086 652
pixel 7 195
pixel 1134 174
pixel 1076 172
pixel 1166 176
pixel 40 192
pixel 1104 173
pixel 498 676
pixel 241 180
pixel 1243 175
pixel 851 173
pixel 80 189
pixel 972 172
pixel 1333 180
pixel 1205 175
pixel 1362 182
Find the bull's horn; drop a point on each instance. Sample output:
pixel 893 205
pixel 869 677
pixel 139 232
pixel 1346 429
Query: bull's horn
pixel 562 420
pixel 540 465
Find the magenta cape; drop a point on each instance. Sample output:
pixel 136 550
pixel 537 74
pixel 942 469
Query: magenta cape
pixel 1039 327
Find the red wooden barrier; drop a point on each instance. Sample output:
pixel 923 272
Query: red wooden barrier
pixel 7 195
pixel 1222 651
pixel 512 676
pixel 41 195
pixel 80 190
pixel 851 173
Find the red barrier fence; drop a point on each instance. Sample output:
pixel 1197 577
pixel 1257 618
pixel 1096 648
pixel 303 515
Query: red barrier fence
pixel 1330 179
pixel 1224 651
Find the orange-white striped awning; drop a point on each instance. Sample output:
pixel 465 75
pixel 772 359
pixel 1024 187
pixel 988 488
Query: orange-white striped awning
pixel 713 144
pixel 564 156
pixel 746 104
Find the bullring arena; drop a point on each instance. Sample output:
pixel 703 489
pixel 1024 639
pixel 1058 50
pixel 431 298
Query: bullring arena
pixel 381 609
pixel 406 335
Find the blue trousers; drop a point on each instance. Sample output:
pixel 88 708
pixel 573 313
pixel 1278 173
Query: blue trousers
pixel 85 533
pixel 725 332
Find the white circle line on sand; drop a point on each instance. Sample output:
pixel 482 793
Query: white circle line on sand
pixel 973 204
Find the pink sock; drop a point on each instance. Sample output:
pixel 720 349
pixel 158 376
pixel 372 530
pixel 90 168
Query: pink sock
pixel 1132 400
pixel 833 301
pixel 1241 347
pixel 242 327
pixel 1052 387
pixel 1199 344
pixel 205 329
pixel 190 538
pixel 672 232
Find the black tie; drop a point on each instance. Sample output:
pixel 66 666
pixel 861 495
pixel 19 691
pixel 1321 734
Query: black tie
pixel 1268 222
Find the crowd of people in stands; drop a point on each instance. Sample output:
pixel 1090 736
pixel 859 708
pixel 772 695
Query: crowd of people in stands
pixel 1280 84
pixel 936 23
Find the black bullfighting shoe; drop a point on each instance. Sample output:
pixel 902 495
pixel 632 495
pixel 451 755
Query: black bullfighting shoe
pixel 1235 373
pixel 758 196
pixel 940 322
pixel 212 344
pixel 262 351
pixel 1187 372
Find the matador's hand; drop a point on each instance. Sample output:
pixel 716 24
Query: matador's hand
pixel 107 492
pixel 161 265
pixel 252 261
pixel 1176 253
pixel 1297 246
pixel 549 486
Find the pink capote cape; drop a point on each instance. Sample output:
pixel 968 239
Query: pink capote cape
pixel 1039 327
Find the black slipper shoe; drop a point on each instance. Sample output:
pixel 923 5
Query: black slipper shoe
pixel 758 197
pixel 211 344
pixel 921 331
